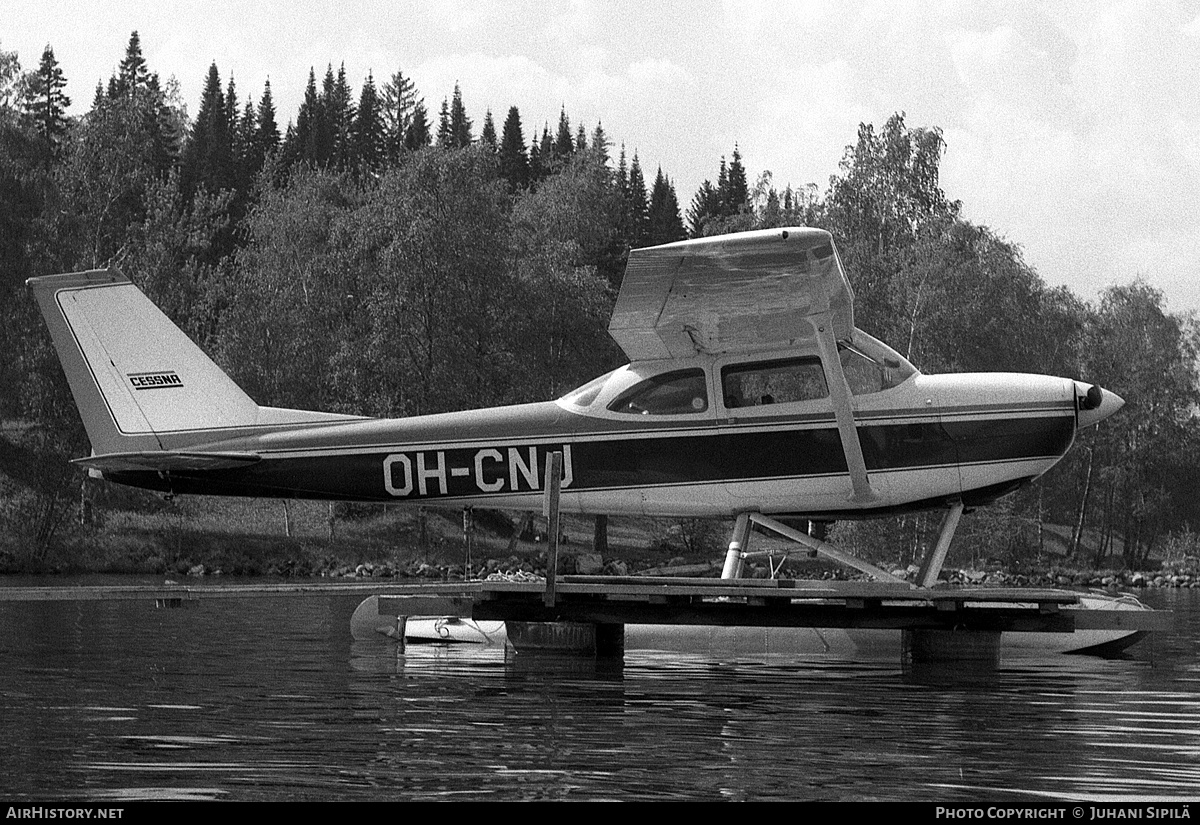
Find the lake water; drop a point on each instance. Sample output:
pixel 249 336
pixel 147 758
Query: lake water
pixel 271 699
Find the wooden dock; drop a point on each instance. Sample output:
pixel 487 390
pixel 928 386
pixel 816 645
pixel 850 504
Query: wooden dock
pixel 611 600
pixel 607 600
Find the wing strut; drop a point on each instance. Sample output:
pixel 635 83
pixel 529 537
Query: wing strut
pixel 839 394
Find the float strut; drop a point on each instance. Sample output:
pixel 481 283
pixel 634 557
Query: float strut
pixel 737 547
pixel 931 565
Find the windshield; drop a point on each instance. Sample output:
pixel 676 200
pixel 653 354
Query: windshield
pixel 585 395
pixel 871 365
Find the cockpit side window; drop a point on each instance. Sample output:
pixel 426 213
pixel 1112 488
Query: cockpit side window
pixel 674 393
pixel 773 382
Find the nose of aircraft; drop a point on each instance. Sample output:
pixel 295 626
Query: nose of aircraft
pixel 1094 404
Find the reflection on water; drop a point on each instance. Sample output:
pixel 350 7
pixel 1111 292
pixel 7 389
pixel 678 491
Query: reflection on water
pixel 272 699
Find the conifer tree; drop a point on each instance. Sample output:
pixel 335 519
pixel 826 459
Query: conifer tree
pixel 340 111
pixel 238 151
pixel 736 196
pixel 208 156
pixel 638 206
pixel 537 166
pixel 488 136
pixel 132 73
pixel 231 102
pixel 417 135
pixel 300 138
pixel 624 229
pixel 772 214
pixel 266 137
pixel 600 144
pixel 546 164
pixel 706 205
pixel 581 143
pixel 46 103
pixel 460 124
pixel 165 118
pixel 397 107
pixel 370 139
pixel 713 208
pixel 445 137
pixel 317 145
pixel 564 147
pixel 623 175
pixel 325 123
pixel 663 223
pixel 514 162
pixel 247 159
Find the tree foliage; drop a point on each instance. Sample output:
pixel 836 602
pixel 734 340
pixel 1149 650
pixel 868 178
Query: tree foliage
pixel 352 265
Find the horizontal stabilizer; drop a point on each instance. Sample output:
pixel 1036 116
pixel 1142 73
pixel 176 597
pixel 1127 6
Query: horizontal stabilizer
pixel 166 461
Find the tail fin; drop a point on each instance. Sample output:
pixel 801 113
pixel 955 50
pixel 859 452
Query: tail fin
pixel 138 380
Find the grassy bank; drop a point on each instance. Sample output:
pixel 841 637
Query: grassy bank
pixel 130 531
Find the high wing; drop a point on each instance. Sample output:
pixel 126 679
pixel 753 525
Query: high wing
pixel 767 290
pixel 770 289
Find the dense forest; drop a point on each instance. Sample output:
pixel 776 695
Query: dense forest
pixel 372 258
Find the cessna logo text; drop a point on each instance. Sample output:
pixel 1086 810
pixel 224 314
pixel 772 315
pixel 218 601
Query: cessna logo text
pixel 155 380
pixel 470 471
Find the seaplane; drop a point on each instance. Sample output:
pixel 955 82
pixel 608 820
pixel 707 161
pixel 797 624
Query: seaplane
pixel 749 395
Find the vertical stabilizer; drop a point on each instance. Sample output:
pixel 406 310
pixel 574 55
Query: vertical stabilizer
pixel 136 377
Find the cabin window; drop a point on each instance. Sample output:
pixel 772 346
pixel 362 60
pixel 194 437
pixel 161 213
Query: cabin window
pixel 672 393
pixel 773 382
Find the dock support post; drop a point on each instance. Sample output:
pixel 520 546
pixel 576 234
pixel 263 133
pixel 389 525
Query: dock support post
pixel 553 486
pixel 737 546
pixel 980 647
pixel 468 540
pixel 401 629
pixel 610 641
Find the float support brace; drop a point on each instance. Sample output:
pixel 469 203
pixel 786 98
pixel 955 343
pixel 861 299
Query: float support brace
pixel 823 548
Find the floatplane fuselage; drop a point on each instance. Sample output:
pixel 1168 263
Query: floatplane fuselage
pixel 749 389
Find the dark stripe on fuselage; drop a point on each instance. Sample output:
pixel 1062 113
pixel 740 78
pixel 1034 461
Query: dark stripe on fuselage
pixel 729 454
